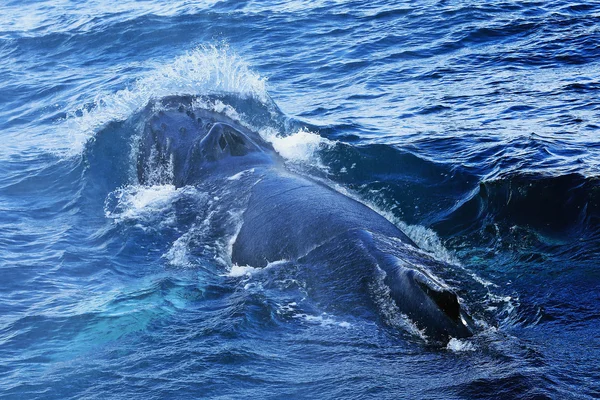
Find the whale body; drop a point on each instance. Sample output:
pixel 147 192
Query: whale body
pixel 289 216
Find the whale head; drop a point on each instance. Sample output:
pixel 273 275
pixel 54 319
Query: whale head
pixel 179 146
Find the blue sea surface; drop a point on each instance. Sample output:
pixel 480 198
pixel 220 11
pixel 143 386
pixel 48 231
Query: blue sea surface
pixel 473 126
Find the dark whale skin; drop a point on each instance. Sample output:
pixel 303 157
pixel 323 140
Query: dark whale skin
pixel 293 217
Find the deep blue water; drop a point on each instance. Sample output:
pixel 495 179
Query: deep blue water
pixel 474 127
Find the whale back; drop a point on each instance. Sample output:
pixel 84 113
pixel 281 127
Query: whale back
pixel 390 271
pixel 288 215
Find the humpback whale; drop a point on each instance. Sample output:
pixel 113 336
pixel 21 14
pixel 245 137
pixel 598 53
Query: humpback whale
pixel 290 216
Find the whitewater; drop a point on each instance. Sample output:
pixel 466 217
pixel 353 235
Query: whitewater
pixel 473 127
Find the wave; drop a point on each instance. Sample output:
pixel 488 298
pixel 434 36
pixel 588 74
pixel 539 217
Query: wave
pixel 455 199
pixel 31 20
pixel 555 205
pixel 398 183
pixel 414 191
pixel 207 70
pixel 197 226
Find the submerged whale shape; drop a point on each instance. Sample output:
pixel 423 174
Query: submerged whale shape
pixel 293 217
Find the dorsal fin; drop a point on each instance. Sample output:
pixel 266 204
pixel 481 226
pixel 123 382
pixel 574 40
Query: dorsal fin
pixel 445 298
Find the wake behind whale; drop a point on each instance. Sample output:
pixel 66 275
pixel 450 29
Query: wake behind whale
pixel 285 215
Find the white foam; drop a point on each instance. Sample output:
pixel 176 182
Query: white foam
pixel 428 240
pixel 237 271
pixel 458 345
pixel 240 174
pixel 273 264
pixel 219 107
pixel 481 281
pixel 323 320
pixel 212 236
pixel 300 146
pixel 178 254
pixel 139 202
pixel 246 270
pixel 236 221
pixel 203 71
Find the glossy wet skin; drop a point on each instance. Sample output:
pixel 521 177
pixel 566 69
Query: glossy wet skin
pixel 195 141
pixel 293 217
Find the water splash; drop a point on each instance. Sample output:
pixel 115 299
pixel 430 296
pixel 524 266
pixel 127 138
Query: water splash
pixel 457 345
pixel 301 146
pixel 145 204
pixel 204 71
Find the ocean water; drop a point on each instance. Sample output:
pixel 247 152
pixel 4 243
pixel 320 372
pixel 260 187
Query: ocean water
pixel 471 125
